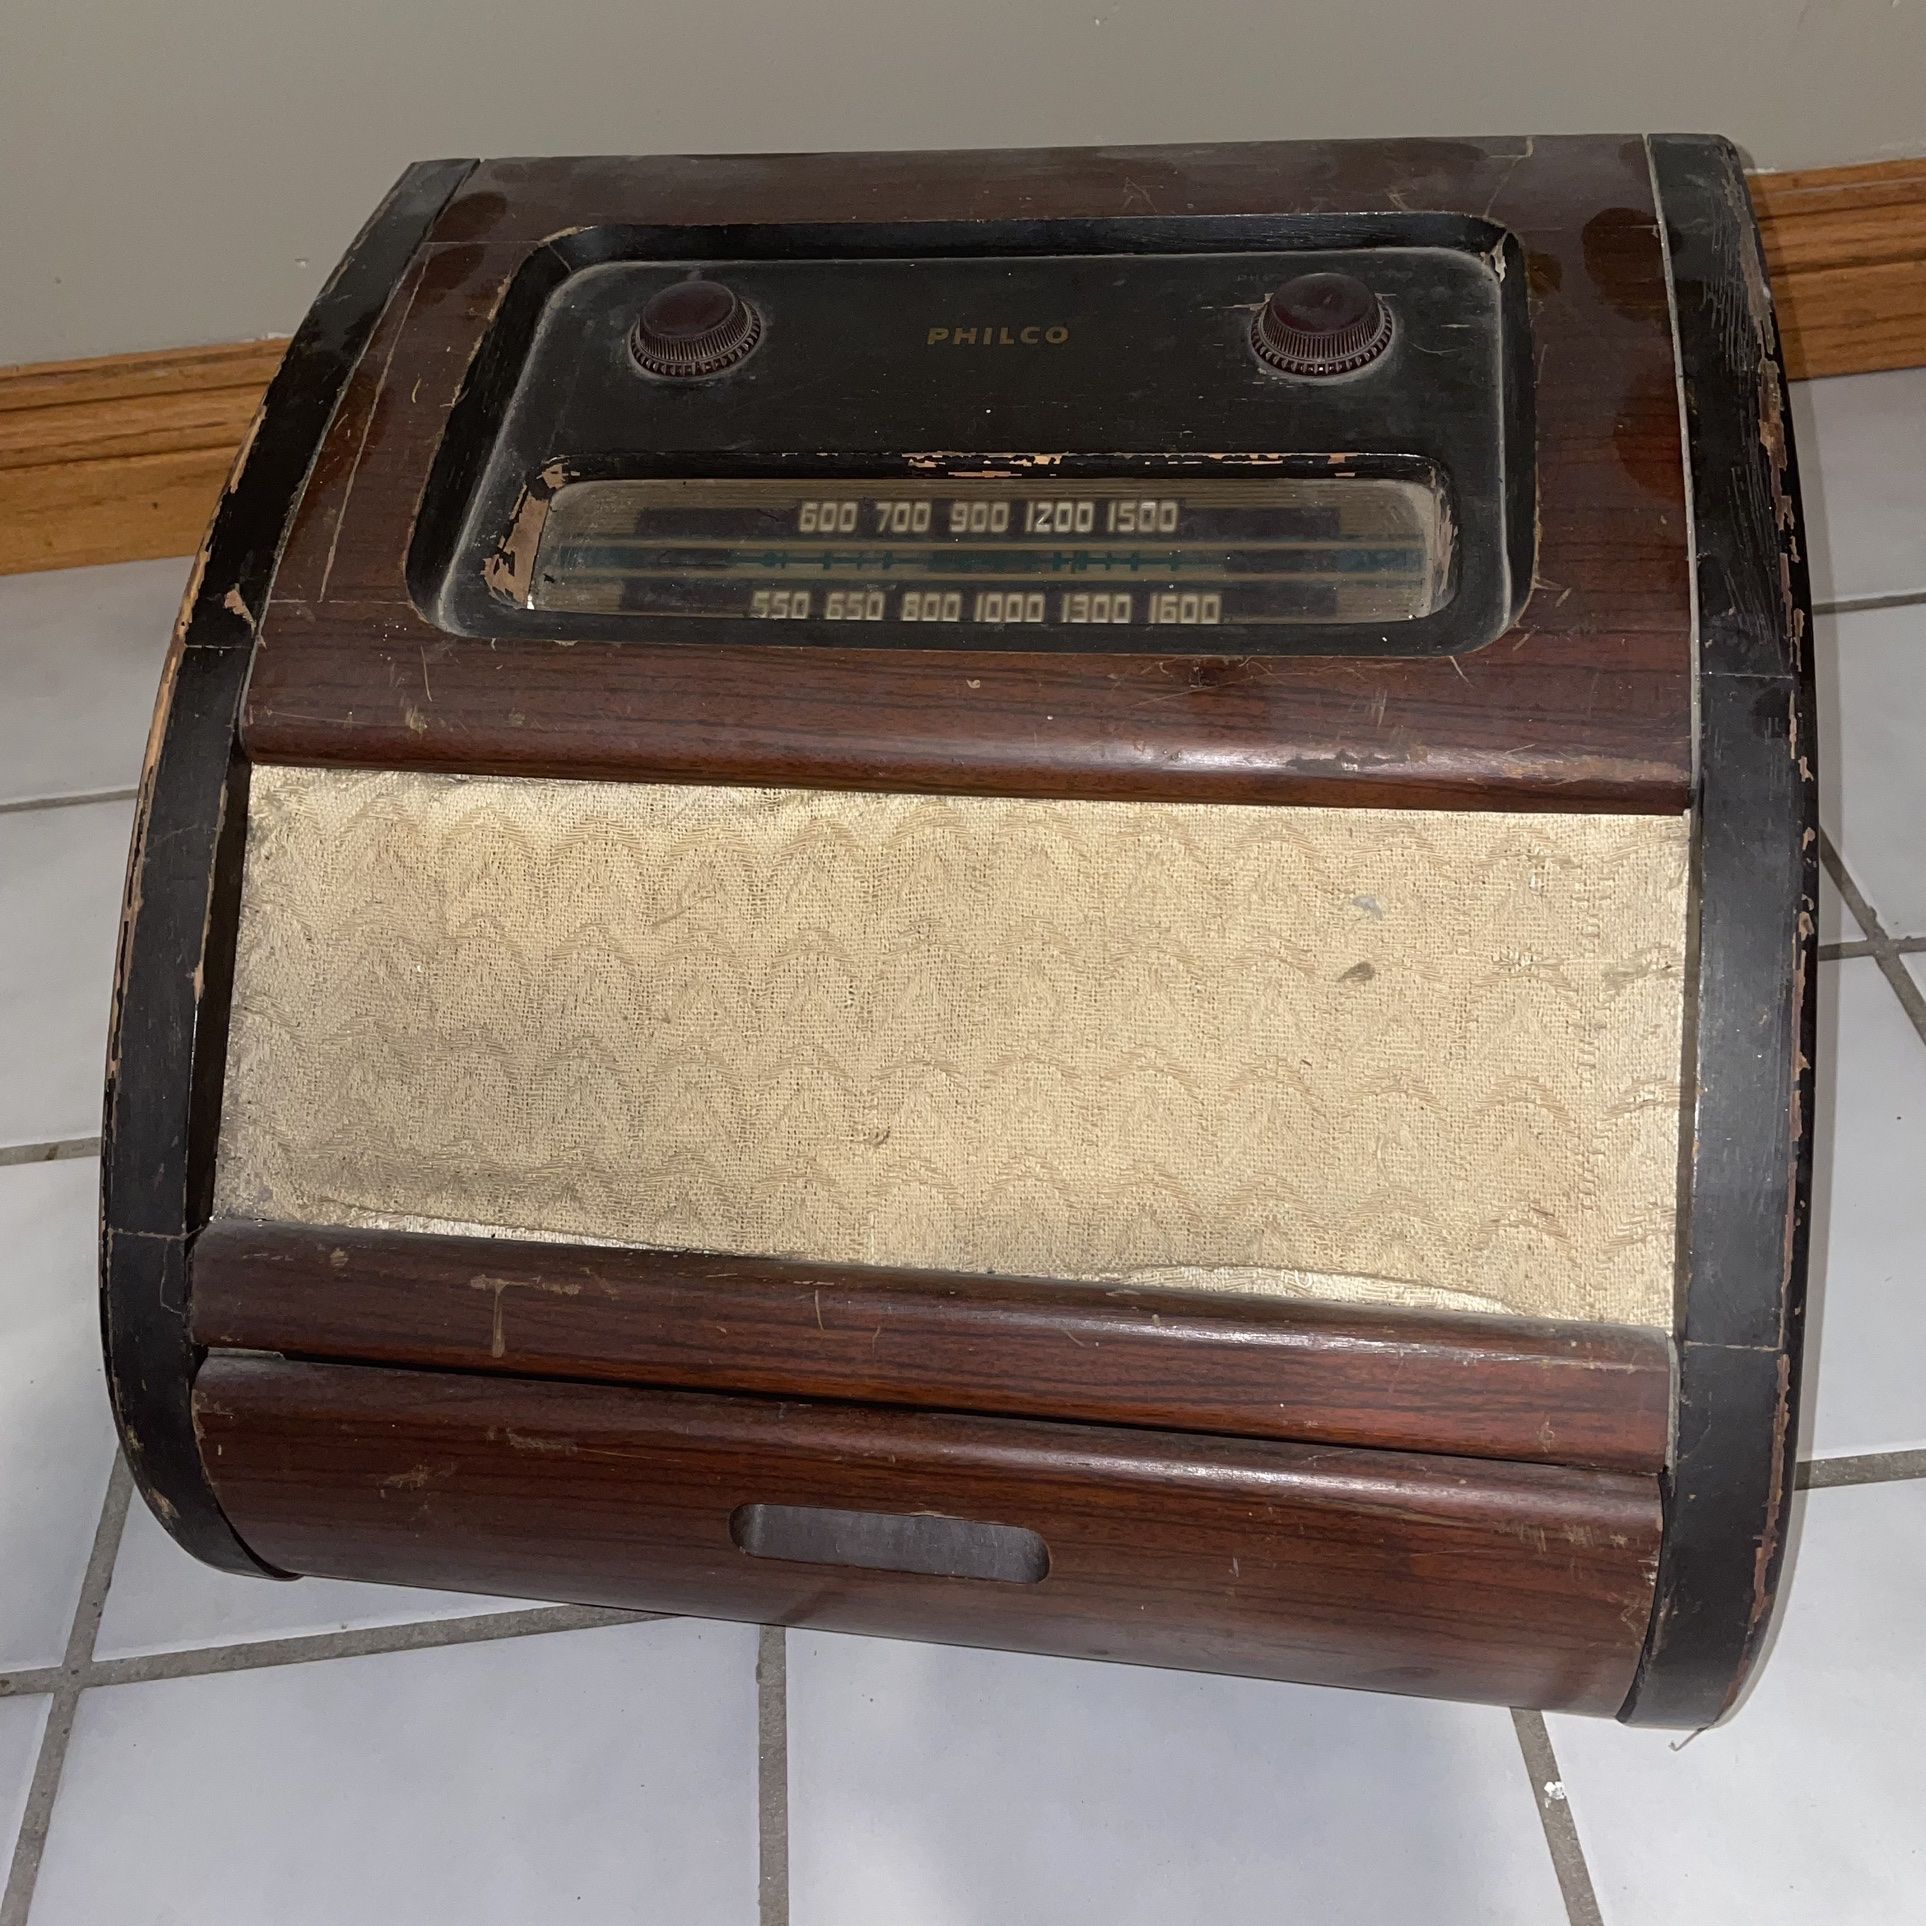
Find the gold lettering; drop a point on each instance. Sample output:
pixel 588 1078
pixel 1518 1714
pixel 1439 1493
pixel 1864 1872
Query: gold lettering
pixel 962 335
pixel 1056 336
pixel 936 335
pixel 1028 337
pixel 1004 339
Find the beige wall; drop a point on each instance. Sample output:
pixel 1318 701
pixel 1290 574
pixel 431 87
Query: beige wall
pixel 188 171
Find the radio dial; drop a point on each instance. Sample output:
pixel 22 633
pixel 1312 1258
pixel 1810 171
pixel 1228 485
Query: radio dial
pixel 1321 325
pixel 694 328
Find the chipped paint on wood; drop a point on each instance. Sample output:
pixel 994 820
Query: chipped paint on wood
pixel 500 1286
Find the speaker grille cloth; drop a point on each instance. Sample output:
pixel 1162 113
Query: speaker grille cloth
pixel 1390 1055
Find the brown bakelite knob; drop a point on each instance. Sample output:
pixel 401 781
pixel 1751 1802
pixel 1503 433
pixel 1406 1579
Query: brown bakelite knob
pixel 694 328
pixel 1322 324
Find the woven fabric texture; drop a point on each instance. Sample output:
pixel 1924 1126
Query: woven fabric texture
pixel 1396 1056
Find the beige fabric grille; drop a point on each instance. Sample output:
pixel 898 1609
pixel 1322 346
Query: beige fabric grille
pixel 1398 1055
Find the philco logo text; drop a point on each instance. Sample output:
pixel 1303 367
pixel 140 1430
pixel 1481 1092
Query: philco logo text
pixel 1051 337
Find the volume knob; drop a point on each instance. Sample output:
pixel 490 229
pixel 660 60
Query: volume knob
pixel 694 328
pixel 1322 324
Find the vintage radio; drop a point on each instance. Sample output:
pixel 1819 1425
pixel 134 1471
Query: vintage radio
pixel 1058 899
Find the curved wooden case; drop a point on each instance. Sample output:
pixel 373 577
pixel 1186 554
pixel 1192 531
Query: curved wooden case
pixel 1576 1515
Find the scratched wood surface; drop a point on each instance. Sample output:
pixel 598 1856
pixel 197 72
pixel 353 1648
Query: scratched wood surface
pixel 1585 704
pixel 168 1037
pixel 1400 1572
pixel 1752 1029
pixel 1477 1386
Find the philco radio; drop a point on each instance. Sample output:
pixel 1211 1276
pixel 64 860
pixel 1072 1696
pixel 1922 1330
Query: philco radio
pixel 1055 899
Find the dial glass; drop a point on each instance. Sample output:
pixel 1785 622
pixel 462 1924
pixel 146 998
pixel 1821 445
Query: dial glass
pixel 974 553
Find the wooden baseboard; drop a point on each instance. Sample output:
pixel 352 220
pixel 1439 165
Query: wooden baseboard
pixel 121 459
pixel 1847 246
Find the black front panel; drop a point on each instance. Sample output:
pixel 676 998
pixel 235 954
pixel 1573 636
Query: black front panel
pixel 1073 446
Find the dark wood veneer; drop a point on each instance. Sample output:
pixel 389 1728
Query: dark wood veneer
pixel 1517 1584
pixel 167 1045
pixel 1489 1387
pixel 1750 1035
pixel 1586 703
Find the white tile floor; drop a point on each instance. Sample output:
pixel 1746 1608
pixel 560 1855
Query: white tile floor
pixel 241 1752
pixel 594 1776
pixel 1811 1804
pixel 56 1436
pixel 61 871
pixel 949 1787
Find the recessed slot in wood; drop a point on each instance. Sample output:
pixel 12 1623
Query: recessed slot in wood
pixel 887 1541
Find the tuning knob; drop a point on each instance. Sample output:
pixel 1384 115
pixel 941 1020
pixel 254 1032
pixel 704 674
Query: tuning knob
pixel 694 328
pixel 1322 324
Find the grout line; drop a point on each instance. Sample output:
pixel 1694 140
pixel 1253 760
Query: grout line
pixel 1869 1468
pixel 31 1839
pixel 1885 950
pixel 307 1648
pixel 57 1150
pixel 1899 945
pixel 427 1634
pixel 25 803
pixel 1854 604
pixel 1555 1815
pixel 772 1777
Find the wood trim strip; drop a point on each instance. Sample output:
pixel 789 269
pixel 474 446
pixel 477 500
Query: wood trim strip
pixel 168 1033
pixel 1510 1584
pixel 1750 1004
pixel 1530 1390
pixel 122 458
pixel 1847 251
